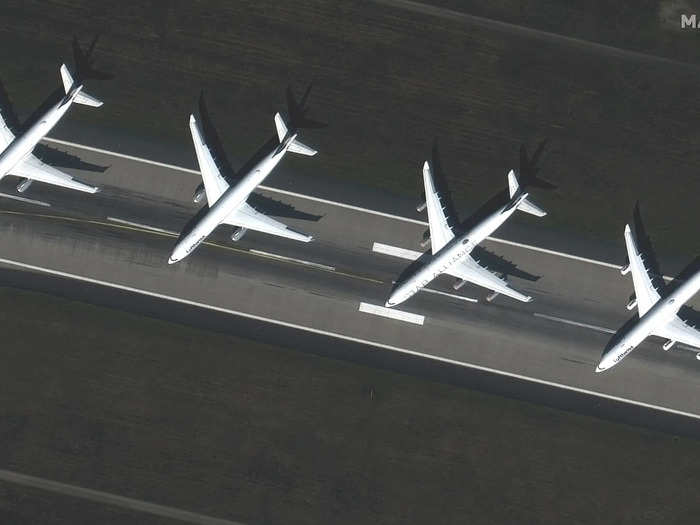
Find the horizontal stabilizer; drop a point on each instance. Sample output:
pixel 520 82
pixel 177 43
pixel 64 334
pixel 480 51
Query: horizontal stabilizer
pixel 301 149
pixel 67 78
pixel 281 127
pixel 84 98
pixel 528 207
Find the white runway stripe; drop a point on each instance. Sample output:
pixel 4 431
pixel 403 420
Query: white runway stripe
pixel 139 225
pixel 450 295
pixel 391 313
pixel 292 259
pixel 344 337
pixel 575 323
pixel 395 251
pixel 24 199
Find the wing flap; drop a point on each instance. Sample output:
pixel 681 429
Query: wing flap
pixel 678 330
pixel 440 231
pixel 32 168
pixel 646 293
pixel 471 271
pixel 214 184
pixel 248 217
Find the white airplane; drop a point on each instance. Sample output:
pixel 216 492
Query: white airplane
pixel 451 252
pixel 227 204
pixel 658 311
pixel 17 158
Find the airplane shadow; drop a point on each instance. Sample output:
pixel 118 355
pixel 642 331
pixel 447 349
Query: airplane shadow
pixel 485 257
pixel 262 203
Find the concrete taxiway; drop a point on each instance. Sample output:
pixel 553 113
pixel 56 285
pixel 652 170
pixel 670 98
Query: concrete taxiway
pixel 122 236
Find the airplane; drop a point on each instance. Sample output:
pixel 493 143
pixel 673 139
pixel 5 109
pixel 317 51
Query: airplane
pixel 17 158
pixel 658 311
pixel 451 251
pixel 227 202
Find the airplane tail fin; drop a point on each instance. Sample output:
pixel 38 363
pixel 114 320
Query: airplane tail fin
pixel 295 146
pixel 525 205
pixel 81 97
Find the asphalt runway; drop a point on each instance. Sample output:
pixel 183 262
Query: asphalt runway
pixel 121 236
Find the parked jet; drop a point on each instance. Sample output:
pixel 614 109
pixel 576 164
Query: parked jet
pixel 227 204
pixel 658 311
pixel 17 158
pixel 450 252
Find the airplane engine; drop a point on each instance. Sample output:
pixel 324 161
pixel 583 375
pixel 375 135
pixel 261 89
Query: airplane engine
pixel 238 234
pixel 198 194
pixel 632 304
pixel 458 284
pixel 24 185
pixel 668 344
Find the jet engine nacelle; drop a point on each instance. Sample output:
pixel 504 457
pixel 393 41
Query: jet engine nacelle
pixel 24 185
pixel 631 305
pixel 459 283
pixel 238 234
pixel 668 344
pixel 198 194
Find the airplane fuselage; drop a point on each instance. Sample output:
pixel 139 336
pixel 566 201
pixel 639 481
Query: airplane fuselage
pixel 661 313
pixel 24 144
pixel 453 252
pixel 231 199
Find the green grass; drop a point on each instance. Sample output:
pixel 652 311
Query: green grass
pixel 389 82
pixel 229 427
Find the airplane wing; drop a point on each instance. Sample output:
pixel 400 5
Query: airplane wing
pixel 6 135
pixel 645 291
pixel 679 330
pixel 470 270
pixel 440 231
pixel 214 184
pixel 32 168
pixel 247 217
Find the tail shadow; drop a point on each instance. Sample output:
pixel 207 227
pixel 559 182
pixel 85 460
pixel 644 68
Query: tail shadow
pixel 529 168
pixel 83 61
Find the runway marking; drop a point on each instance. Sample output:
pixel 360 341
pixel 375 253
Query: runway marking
pixel 332 203
pixel 395 251
pixel 451 295
pixel 344 337
pixel 292 259
pixel 111 499
pixel 138 225
pixel 399 315
pixel 24 199
pixel 165 233
pixel 575 323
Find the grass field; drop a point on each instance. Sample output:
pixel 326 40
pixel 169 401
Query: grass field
pixel 389 82
pixel 232 428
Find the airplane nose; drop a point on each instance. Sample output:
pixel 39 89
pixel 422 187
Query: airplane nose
pixel 599 369
pixel 172 260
